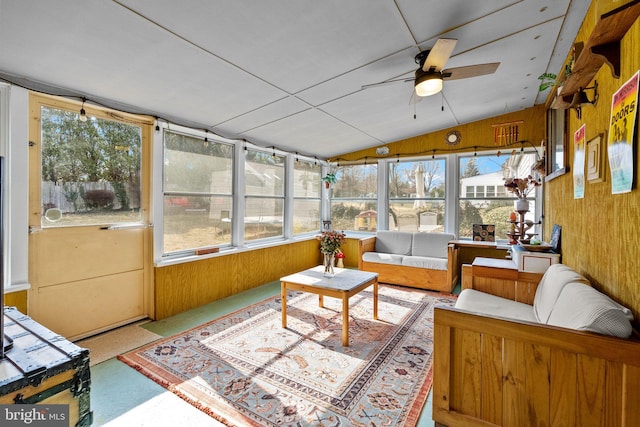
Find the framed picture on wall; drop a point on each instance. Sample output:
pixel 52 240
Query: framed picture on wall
pixel 594 160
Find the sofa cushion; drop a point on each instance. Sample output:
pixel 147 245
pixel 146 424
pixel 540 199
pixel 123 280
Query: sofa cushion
pixel 431 244
pixel 584 308
pixel 382 258
pixel 425 262
pixel 491 305
pixel 394 242
pixel 550 287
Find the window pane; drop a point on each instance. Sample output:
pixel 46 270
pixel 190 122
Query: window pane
pixel 412 216
pixel 263 217
pixel 198 200
pixel 306 179
pixel 356 181
pixel 306 191
pixel 485 211
pixel 90 170
pixel 354 198
pixel 486 173
pixel 354 214
pixel 417 191
pixel 264 177
pixel 306 215
pixel 264 174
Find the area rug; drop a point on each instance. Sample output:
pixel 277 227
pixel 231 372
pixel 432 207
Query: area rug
pixel 245 369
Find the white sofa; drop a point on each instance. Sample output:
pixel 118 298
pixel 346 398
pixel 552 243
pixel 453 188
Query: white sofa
pixel 570 358
pixel 563 298
pixel 421 260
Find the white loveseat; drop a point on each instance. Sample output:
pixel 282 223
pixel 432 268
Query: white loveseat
pixel 421 260
pixel 563 298
pixel 570 358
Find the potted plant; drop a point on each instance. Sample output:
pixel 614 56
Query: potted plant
pixel 329 179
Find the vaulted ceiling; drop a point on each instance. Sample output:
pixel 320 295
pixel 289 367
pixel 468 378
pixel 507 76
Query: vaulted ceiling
pixel 288 74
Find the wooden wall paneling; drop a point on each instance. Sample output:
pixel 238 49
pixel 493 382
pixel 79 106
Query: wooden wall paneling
pixel 610 263
pixel 562 390
pixel 17 300
pixel 181 287
pixel 491 369
pixel 475 136
pixel 350 249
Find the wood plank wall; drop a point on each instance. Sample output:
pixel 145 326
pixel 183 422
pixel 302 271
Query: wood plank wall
pixel 188 285
pixel 477 136
pixel 600 233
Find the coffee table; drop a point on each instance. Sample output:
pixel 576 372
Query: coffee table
pixel 345 284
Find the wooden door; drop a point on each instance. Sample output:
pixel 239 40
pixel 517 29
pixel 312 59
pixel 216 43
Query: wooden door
pixel 89 235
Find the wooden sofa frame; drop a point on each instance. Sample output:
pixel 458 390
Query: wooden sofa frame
pixel 423 278
pixel 491 371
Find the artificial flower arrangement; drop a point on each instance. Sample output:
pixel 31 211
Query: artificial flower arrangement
pixel 521 186
pixel 330 241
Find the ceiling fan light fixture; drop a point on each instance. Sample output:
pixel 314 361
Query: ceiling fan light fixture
pixel 428 83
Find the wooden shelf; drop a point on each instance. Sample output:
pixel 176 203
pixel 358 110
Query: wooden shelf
pixel 603 47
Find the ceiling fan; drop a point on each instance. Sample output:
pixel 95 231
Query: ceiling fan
pixel 429 76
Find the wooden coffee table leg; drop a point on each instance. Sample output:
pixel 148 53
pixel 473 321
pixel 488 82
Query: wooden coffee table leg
pixel 345 321
pixel 375 300
pixel 320 300
pixel 283 295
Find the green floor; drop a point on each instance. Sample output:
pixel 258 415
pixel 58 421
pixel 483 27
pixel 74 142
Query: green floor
pixel 120 396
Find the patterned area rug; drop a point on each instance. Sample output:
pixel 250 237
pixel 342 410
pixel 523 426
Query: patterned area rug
pixel 245 369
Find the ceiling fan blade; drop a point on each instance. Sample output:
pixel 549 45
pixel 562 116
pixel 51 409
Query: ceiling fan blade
pixel 439 54
pixel 469 71
pixel 388 82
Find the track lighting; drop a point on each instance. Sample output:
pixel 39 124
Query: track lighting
pixel 83 114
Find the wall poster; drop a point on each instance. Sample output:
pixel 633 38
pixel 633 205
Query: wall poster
pixel 621 132
pixel 578 162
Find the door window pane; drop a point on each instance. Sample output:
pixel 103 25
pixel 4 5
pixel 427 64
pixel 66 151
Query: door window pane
pixel 90 170
pixel 198 182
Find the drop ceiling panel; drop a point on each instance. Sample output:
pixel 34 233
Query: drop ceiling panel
pixel 293 45
pixel 311 132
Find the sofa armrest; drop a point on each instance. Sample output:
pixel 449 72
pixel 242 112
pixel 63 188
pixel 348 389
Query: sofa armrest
pixel 495 371
pixel 367 244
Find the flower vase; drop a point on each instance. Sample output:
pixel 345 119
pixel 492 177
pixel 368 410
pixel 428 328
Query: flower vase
pixel 339 263
pixel 522 205
pixel 328 265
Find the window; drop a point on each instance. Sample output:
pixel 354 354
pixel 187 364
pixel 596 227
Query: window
pixel 90 170
pixel 264 195
pixel 417 195
pixel 306 196
pixel 354 198
pixel 484 199
pixel 198 195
